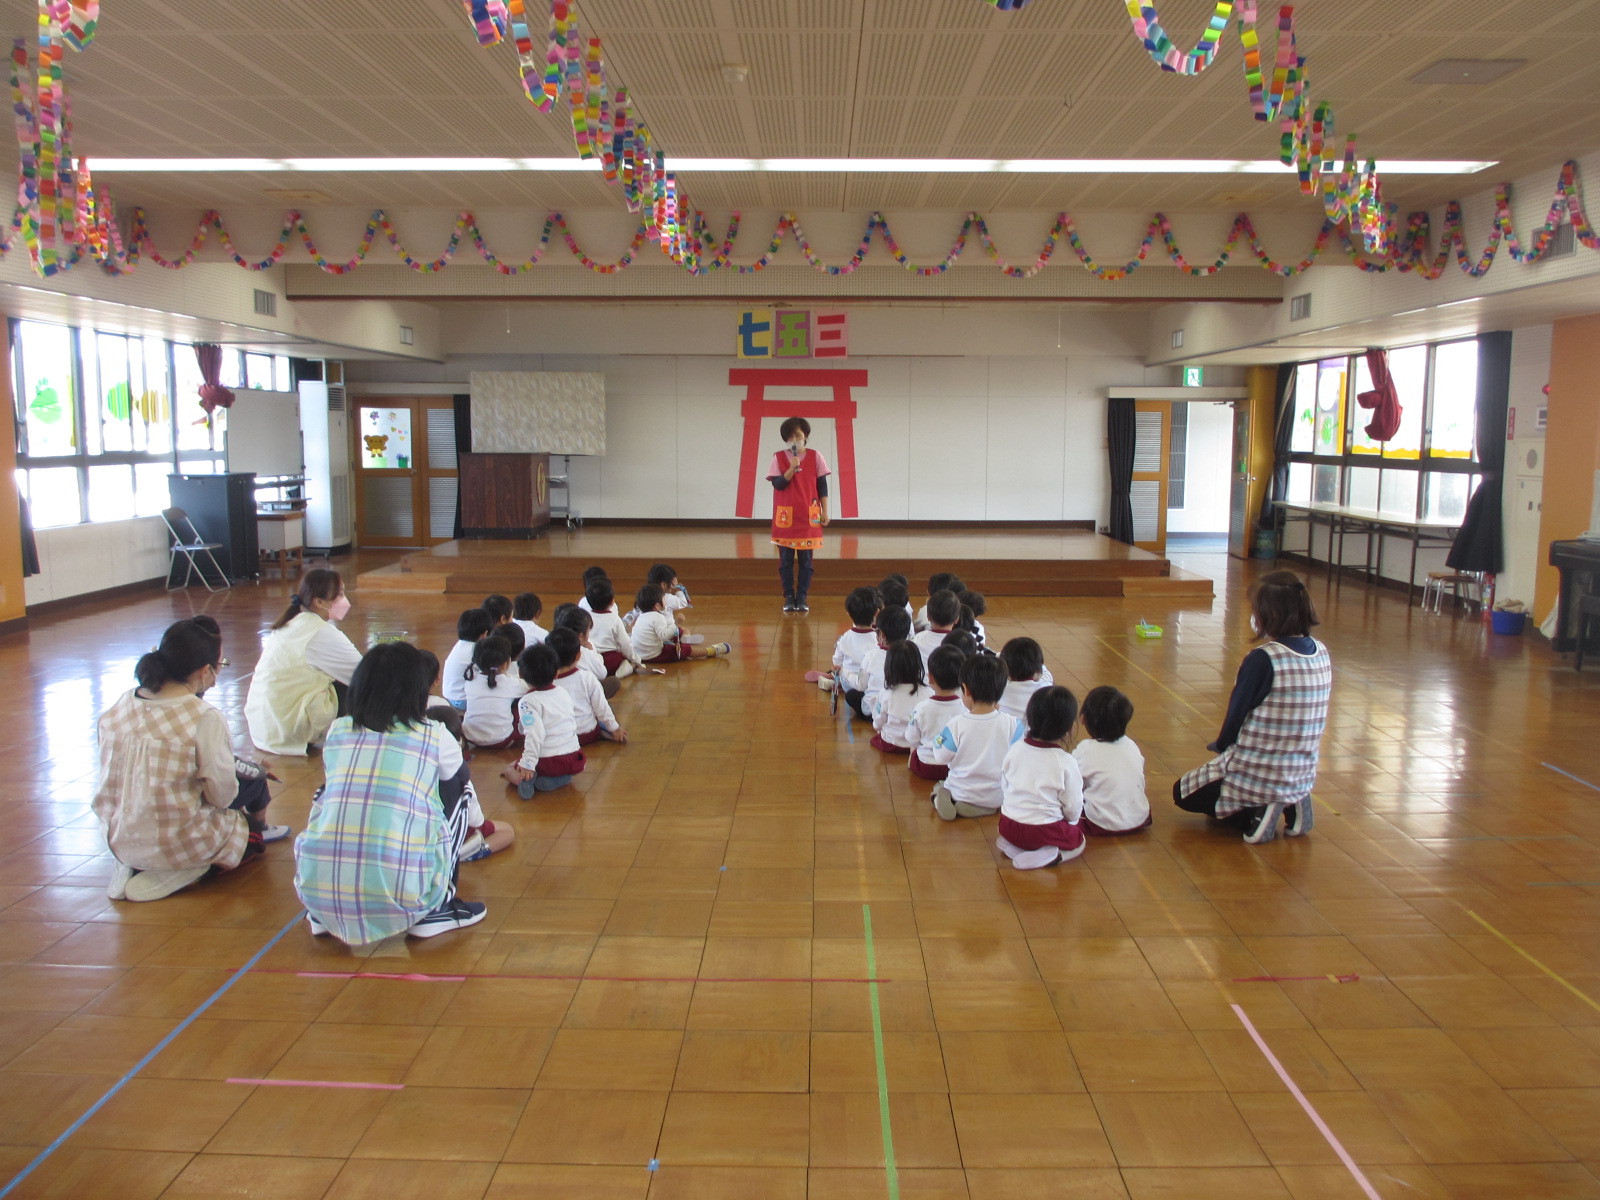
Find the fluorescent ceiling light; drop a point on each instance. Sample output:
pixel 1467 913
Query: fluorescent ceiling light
pixel 918 166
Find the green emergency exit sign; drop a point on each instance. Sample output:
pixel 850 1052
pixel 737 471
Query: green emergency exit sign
pixel 1193 377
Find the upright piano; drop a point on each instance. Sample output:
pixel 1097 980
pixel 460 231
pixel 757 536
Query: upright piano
pixel 1579 564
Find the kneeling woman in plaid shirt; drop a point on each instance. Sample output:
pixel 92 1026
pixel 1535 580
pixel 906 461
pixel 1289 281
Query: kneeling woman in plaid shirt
pixel 379 854
pixel 1271 738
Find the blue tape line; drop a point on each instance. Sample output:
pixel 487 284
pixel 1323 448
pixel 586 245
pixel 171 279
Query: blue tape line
pixel 1570 775
pixel 145 1061
pixel 652 1164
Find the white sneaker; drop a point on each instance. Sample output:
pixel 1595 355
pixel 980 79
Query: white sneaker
pixel 1298 818
pixel 1266 829
pixel 157 885
pixel 275 833
pixel 117 889
pixel 452 914
pixel 318 929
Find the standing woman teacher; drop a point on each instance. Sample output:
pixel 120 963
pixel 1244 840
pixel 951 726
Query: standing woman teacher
pixel 799 478
pixel 305 668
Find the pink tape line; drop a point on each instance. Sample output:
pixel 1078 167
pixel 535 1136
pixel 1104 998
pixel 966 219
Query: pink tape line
pixel 1316 1118
pixel 328 1083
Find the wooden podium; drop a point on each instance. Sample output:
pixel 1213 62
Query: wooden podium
pixel 504 495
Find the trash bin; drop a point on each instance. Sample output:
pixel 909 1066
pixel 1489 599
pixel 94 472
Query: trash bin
pixel 1508 622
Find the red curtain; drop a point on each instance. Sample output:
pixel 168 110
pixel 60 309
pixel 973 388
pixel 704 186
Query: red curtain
pixel 1383 399
pixel 212 394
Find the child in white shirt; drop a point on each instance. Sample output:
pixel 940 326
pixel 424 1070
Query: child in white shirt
pixel 499 608
pixel 1114 802
pixel 525 610
pixel 940 581
pixel 656 637
pixel 1042 811
pixel 862 691
pixel 1024 660
pixel 581 621
pixel 854 644
pixel 590 574
pixel 974 744
pixel 934 712
pixel 609 635
pixel 903 689
pixel 550 752
pixel 492 693
pixel 674 596
pixel 592 715
pixel 943 611
pixel 471 627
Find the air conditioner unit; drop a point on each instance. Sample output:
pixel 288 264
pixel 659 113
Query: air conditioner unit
pixel 325 430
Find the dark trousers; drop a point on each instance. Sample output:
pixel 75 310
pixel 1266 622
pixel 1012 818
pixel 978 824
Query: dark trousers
pixel 1204 800
pixel 792 586
pixel 854 698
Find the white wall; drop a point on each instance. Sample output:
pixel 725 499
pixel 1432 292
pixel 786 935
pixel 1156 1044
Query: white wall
pixel 1208 472
pixel 76 559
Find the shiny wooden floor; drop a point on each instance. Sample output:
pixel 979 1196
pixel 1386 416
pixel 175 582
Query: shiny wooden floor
pixel 668 998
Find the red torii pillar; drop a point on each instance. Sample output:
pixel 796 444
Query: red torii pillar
pixel 841 406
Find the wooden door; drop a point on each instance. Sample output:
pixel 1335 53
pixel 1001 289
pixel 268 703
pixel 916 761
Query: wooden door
pixel 1151 451
pixel 405 455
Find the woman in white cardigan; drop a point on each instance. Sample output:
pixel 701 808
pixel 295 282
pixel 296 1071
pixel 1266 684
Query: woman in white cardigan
pixel 298 688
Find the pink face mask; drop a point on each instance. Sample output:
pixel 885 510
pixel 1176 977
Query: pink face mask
pixel 339 608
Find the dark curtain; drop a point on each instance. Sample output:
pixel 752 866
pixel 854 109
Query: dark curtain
pixel 212 394
pixel 1479 545
pixel 1119 437
pixel 463 445
pixel 304 370
pixel 1282 435
pixel 30 547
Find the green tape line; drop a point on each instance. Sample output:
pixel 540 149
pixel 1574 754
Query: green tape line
pixel 891 1172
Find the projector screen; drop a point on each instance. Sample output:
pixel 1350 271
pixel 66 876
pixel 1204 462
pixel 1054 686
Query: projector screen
pixel 538 412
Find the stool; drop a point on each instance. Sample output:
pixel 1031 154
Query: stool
pixel 281 538
pixel 1588 609
pixel 1458 582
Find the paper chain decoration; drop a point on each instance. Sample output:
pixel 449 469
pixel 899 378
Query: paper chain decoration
pixel 703 252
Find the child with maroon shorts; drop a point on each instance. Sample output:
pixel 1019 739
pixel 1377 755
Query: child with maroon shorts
pixel 934 712
pixel 550 752
pixel 1041 812
pixel 591 713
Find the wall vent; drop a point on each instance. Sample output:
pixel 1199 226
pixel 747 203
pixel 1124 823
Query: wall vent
pixel 1177 339
pixel 266 303
pixel 335 398
pixel 1563 243
pixel 407 335
pixel 1300 306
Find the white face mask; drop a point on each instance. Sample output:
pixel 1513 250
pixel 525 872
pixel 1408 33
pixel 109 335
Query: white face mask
pixel 797 444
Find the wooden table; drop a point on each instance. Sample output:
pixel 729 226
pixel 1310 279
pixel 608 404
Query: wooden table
pixel 1373 526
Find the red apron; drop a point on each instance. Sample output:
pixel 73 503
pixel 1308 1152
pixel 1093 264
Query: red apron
pixel 796 509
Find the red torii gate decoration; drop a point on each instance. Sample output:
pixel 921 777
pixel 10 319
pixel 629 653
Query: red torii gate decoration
pixel 841 407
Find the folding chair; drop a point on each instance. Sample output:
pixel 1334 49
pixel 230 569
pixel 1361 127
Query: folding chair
pixel 188 545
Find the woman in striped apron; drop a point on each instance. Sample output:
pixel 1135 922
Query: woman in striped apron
pixel 1267 752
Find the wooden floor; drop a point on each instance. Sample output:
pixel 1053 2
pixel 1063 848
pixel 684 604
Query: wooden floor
pixel 669 999
pixel 743 562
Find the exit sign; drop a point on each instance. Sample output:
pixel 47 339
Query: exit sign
pixel 1193 377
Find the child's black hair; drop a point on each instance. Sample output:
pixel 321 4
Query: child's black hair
pixel 593 573
pixel 498 607
pixel 600 594
pixel 862 605
pixel 490 657
pixel 974 601
pixel 943 609
pixel 389 688
pixel 984 678
pixel 1051 712
pixel 894 623
pixel 662 576
pixel 432 661
pixel 944 668
pixel 537 666
pixel 512 633
pixel 570 616
pixel 967 619
pixel 647 598
pixel 957 586
pixel 897 577
pixel 1024 658
pixel 939 582
pixel 893 592
pixel 186 647
pixel 526 607
pixel 903 664
pixel 1106 713
pixel 961 641
pixel 565 645
pixel 472 624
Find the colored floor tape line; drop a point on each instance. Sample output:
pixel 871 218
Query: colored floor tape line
pixel 415 978
pixel 1300 1098
pixel 145 1061
pixel 890 1169
pixel 321 1083
pixel 1581 995
pixel 1571 776
pixel 1299 979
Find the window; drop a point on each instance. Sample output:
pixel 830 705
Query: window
pixel 1454 429
pixel 1305 408
pixel 104 418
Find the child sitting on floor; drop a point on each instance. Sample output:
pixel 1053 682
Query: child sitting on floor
pixel 943 610
pixel 973 744
pixel 674 596
pixel 938 582
pixel 499 609
pixel 590 574
pixel 550 752
pixel 592 716
pixel 525 610
pixel 855 643
pixel 1042 809
pixel 862 692
pixel 656 638
pixel 472 626
pixel 1114 802
pixel 894 592
pixel 903 688
pixel 934 712
pixel 1027 673
pixel 489 722
pixel 581 621
pixel 973 606
pixel 609 636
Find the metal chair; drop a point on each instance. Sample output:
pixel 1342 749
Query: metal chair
pixel 1466 587
pixel 188 545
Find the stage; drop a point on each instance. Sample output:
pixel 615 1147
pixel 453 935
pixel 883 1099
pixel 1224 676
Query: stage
pixel 742 562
